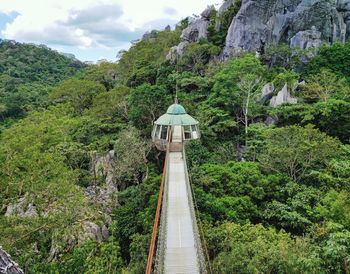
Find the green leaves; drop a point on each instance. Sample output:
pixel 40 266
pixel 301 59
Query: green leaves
pixel 78 93
pixel 296 151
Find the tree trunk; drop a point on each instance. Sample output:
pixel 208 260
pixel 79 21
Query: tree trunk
pixel 246 110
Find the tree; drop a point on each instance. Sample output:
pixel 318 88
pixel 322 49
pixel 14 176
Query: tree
pixel 296 150
pixel 112 104
pixel 197 55
pixel 236 87
pixel 334 57
pixel 256 249
pixel 146 104
pixel 283 56
pixel 131 153
pixel 335 207
pixel 79 93
pixel 104 73
pixel 325 85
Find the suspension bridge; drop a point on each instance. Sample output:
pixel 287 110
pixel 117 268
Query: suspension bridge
pixel 176 243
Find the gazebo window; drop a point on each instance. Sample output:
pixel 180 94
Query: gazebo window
pixel 156 135
pixel 164 133
pixel 187 132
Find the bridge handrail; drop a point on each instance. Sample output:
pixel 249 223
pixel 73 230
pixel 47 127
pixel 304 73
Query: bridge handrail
pixel 200 255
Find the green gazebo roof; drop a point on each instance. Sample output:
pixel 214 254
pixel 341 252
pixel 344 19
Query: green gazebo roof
pixel 176 116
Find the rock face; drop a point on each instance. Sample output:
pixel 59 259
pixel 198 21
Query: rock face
pixel 22 208
pixel 7 266
pixel 283 97
pixel 306 39
pixel 149 35
pixel 267 93
pixel 102 167
pixel 259 24
pixel 93 232
pixel 196 30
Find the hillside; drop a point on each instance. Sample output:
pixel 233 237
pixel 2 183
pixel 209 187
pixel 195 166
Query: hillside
pixel 28 72
pixel 79 176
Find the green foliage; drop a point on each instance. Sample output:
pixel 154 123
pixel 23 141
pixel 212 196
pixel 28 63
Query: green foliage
pixel 282 56
pixel 112 104
pixel 139 64
pixel 256 249
pixel 104 73
pixel 197 56
pixel 331 117
pixel 27 74
pixel 146 104
pixel 286 77
pixel 90 257
pixel 326 85
pixel 140 203
pixel 335 207
pixel 229 191
pixel 79 93
pixel 296 151
pixel 335 58
pixel 234 93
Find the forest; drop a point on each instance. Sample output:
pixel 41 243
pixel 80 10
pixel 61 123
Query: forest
pixel 79 175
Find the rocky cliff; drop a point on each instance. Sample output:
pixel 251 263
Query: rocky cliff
pixel 261 23
pixel 7 265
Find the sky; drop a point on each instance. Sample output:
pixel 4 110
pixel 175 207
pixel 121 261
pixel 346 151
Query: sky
pixel 91 29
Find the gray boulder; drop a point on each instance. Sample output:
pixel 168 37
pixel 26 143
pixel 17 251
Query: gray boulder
pixel 267 93
pixel 149 35
pixel 283 97
pixel 7 265
pixel 176 51
pixel 307 39
pixel 207 12
pixel 258 24
pixel 196 31
pixel 103 166
pixel 91 232
pixel 23 208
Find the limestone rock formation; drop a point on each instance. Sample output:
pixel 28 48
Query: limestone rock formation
pixel 93 232
pixel 283 97
pixel 306 39
pixel 149 35
pixel 223 8
pixel 103 167
pixel 259 24
pixel 24 208
pixel 7 265
pixel 196 30
pixel 267 93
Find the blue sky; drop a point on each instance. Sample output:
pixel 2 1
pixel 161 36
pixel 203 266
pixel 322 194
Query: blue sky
pixel 91 29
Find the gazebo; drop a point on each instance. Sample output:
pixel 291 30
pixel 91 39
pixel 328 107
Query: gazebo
pixel 175 126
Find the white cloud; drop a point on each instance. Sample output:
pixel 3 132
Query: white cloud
pixel 103 24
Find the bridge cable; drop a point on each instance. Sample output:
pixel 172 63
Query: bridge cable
pixel 159 205
pixel 201 233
